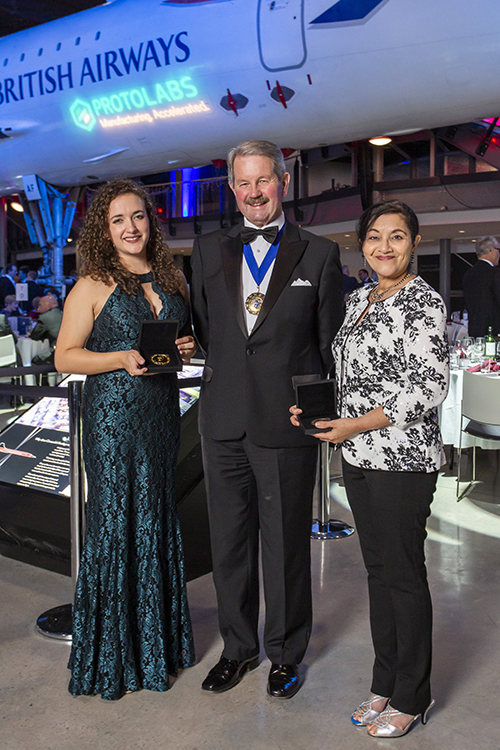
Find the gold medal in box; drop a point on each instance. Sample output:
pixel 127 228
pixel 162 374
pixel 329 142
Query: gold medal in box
pixel 157 345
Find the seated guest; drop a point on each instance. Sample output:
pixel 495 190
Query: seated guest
pixel 47 327
pixel 52 291
pixel 11 306
pixel 33 312
pixel 5 329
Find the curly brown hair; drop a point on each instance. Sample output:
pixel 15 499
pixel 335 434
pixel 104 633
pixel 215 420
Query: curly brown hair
pixel 99 257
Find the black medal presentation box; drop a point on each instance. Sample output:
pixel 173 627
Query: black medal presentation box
pixel 318 401
pixel 157 345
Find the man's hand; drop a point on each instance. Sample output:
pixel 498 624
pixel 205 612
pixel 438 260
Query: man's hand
pixel 187 347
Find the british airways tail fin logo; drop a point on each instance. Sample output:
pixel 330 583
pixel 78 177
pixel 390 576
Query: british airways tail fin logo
pixel 348 10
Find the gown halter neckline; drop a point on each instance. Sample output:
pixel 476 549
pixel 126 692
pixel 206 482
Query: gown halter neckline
pixel 145 278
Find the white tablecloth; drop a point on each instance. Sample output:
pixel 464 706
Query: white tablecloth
pixel 449 416
pixel 28 348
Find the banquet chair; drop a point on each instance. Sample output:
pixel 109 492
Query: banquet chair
pixel 459 332
pixel 8 354
pixel 481 406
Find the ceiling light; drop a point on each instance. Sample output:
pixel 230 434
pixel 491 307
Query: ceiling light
pixel 380 140
pixel 347 235
pixel 17 206
pixel 461 231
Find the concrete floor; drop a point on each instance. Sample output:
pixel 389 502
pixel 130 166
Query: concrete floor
pixel 463 551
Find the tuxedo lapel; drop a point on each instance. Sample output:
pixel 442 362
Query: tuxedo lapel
pixel 232 255
pixel 290 252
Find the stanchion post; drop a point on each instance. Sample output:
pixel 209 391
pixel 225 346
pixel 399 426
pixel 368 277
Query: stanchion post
pixel 77 475
pixel 57 622
pixel 323 527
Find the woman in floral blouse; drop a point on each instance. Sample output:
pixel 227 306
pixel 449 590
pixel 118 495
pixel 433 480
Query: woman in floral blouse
pixel 392 371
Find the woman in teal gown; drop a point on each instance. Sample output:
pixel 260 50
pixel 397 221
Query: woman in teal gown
pixel 131 625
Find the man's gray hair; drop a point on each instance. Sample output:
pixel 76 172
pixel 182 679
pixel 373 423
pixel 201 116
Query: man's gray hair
pixel 485 244
pixel 257 148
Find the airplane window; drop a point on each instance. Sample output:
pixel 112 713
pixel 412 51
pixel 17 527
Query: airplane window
pixel 22 57
pixel 58 46
pixel 6 61
pixel 97 35
pixel 77 41
pixel 40 51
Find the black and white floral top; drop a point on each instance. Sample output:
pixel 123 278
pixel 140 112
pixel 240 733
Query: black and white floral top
pixel 396 357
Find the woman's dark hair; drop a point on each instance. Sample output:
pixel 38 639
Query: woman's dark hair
pixel 370 216
pixel 99 257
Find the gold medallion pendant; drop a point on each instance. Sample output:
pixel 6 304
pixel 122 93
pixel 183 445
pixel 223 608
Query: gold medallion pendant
pixel 253 302
pixel 160 359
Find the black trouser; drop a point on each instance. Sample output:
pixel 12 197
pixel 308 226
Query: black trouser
pixel 390 511
pixel 251 488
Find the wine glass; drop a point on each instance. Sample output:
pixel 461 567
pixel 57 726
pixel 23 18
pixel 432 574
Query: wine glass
pixel 454 355
pixel 467 344
pixel 478 349
pixel 486 366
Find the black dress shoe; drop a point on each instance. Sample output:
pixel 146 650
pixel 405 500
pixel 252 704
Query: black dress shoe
pixel 227 673
pixel 284 680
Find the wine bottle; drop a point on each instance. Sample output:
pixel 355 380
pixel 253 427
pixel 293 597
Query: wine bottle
pixel 489 344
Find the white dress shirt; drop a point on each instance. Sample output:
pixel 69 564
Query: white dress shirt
pixel 259 247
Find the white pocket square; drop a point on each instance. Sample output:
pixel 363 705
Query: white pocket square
pixel 299 282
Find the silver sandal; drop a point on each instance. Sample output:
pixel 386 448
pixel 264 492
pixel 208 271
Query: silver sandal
pixel 366 712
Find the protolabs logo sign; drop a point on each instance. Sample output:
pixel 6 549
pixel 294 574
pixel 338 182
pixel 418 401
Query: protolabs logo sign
pixel 160 101
pixel 113 64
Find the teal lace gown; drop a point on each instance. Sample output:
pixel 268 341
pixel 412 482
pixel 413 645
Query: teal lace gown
pixel 131 624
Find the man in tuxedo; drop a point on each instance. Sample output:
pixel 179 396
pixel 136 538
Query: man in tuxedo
pixel 7 283
pixel 481 286
pixel 364 277
pixel 267 302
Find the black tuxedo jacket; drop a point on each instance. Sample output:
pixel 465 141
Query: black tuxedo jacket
pixel 481 285
pixel 247 381
pixel 6 288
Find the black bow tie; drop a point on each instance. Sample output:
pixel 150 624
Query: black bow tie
pixel 249 234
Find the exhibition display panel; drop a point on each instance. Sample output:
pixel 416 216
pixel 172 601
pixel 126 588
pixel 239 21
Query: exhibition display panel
pixel 35 483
